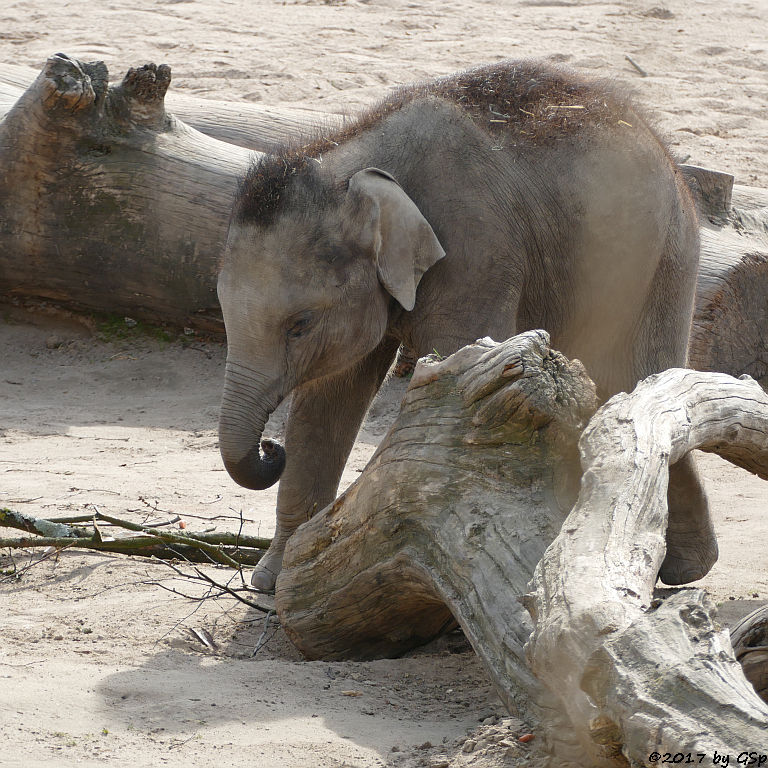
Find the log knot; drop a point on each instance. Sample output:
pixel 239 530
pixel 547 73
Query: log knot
pixel 139 99
pixel 70 85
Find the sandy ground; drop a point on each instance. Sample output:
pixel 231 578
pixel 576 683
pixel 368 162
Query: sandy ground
pixel 97 665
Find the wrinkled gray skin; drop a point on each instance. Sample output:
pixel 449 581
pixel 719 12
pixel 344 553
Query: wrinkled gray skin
pixel 437 232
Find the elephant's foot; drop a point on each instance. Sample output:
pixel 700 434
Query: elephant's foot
pixel 265 573
pixel 691 543
pixel 690 556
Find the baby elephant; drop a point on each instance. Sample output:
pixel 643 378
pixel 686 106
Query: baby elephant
pixel 506 198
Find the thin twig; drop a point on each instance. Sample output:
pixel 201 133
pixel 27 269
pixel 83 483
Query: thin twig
pixel 208 518
pixel 262 642
pixel 225 588
pixel 18 573
pixel 233 592
pixel 641 71
pixel 200 601
pixel 69 519
pixel 172 590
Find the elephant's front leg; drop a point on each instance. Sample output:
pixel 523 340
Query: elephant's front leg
pixel 322 425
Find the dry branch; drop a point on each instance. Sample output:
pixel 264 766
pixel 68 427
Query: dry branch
pixel 461 500
pixel 141 546
pixel 229 549
pixel 39 526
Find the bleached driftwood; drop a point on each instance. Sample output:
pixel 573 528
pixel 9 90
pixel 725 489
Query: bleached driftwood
pixel 750 644
pixel 464 497
pixel 636 675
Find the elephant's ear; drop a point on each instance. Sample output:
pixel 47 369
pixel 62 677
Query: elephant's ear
pixel 386 220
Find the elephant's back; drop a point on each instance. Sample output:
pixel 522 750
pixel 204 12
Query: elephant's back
pixel 534 103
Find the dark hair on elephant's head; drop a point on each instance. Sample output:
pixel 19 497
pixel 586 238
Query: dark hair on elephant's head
pixel 261 191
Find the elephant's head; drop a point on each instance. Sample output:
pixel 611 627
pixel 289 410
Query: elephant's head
pixel 311 272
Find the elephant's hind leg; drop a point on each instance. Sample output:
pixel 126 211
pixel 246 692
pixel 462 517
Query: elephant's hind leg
pixel 663 343
pixel 691 543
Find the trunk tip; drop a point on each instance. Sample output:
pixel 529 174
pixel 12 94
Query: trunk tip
pixel 258 470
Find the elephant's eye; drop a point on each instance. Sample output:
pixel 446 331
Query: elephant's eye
pixel 299 326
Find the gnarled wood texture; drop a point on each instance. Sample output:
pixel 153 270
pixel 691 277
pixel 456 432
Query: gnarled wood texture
pixel 634 675
pixel 449 518
pixel 253 126
pixel 465 495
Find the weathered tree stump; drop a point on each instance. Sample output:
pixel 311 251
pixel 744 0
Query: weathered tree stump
pixel 730 323
pixel 465 496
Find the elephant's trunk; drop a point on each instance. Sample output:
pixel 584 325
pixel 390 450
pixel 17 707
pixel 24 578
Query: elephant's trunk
pixel 246 405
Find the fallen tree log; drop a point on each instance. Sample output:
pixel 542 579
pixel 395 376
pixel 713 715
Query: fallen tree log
pixel 110 203
pixel 107 203
pixel 730 323
pixel 465 496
